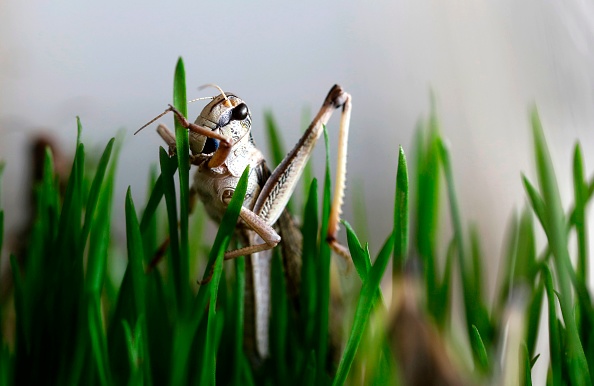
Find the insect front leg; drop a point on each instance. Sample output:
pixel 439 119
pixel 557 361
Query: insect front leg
pixel 280 186
pixel 225 144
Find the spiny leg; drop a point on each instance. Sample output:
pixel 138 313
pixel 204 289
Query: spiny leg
pixel 280 186
pixel 339 185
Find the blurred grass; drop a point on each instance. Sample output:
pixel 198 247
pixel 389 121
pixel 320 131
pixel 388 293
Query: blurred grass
pixel 158 326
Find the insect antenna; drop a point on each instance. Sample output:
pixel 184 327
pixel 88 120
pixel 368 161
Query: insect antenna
pixel 153 120
pixel 200 99
pixel 168 110
pixel 227 102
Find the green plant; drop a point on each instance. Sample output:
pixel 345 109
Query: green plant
pixel 158 326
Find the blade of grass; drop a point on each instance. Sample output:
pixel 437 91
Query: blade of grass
pixel 533 317
pixel 275 144
pixel 309 285
pixel 536 201
pixel 95 189
pixel 367 295
pixel 323 272
pixel 360 255
pixel 580 191
pixel 226 230
pixel 441 303
pixel 427 202
pixel 167 170
pixel 475 308
pixel 554 339
pixel 527 367
pixel 153 202
pixel 137 275
pixel 478 346
pixel 400 215
pixel 183 163
pixel 100 197
pixel 239 289
pixel 557 236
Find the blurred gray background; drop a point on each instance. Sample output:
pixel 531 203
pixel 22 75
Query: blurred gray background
pixel 112 62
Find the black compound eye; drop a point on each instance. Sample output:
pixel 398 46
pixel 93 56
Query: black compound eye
pixel 240 112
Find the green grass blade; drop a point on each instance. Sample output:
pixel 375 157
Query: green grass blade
pixel 323 272
pixel 154 199
pixel 309 376
pixel 527 367
pixel 183 163
pixel 440 304
pixel 22 318
pixel 580 191
pixel 554 339
pixel 360 255
pixel 135 255
pixel 137 274
pixel 556 233
pixel 78 131
pixel 100 201
pixel 401 214
pixel 98 343
pixel 133 355
pixel 526 266
pixel 69 225
pixel 148 224
pixel 309 284
pixel 184 360
pixel 226 230
pixel 536 201
pixel 6 367
pixel 100 198
pixel 478 346
pixel 533 317
pixel 275 145
pixel 475 309
pixel 97 259
pixel 239 289
pixel 95 189
pixel 168 167
pixel 369 292
pixel 427 203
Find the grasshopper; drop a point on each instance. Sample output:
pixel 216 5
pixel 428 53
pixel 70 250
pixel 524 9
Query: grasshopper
pixel 221 147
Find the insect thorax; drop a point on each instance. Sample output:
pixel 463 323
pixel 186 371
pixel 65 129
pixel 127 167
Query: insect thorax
pixel 213 185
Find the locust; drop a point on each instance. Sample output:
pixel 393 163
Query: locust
pixel 221 147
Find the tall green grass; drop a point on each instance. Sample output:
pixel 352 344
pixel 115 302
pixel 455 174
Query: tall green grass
pixel 158 326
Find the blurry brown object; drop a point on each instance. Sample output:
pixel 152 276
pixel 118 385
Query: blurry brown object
pixel 418 348
pixel 18 241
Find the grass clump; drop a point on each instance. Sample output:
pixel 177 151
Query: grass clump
pixel 159 327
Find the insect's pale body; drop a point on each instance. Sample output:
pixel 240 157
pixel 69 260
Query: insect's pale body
pixel 215 185
pixel 222 146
